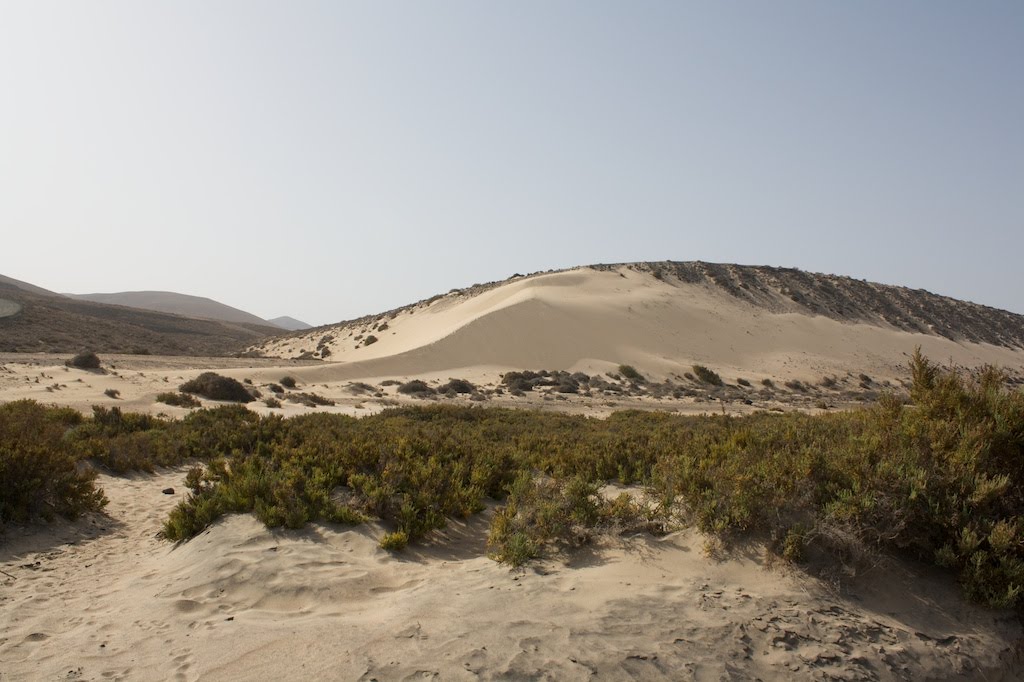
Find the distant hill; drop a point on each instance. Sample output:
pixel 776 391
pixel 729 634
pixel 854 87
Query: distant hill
pixel 176 304
pixel 48 322
pixel 290 323
pixel 25 286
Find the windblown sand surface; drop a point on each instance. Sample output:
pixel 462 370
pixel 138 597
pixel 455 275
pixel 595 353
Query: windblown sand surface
pixel 103 598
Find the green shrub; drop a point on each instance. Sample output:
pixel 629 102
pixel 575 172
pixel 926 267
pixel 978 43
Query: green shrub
pixel 456 386
pixel 707 376
pixel 395 541
pixel 273 403
pixel 541 513
pixel 84 360
pixel 370 340
pixel 213 386
pixel 178 400
pixel 309 399
pixel 288 382
pixel 416 387
pixel 40 473
pixel 630 372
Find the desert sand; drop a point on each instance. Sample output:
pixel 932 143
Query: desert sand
pixel 105 598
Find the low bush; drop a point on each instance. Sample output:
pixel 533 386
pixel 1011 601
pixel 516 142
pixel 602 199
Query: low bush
pixel 272 403
pixel 213 386
pixel 370 340
pixel 40 472
pixel 309 399
pixel 84 360
pixel 456 386
pixel 112 393
pixel 178 400
pixel 394 541
pixel 707 376
pixel 288 382
pixel 630 372
pixel 416 387
pixel 542 512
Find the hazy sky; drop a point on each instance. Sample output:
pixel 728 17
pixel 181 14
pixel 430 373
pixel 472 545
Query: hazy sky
pixel 330 159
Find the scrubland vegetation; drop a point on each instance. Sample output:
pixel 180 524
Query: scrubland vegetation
pixel 939 477
pixel 84 360
pixel 216 387
pixel 178 400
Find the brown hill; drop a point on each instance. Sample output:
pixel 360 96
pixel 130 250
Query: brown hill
pixel 32 288
pixel 53 323
pixel 177 304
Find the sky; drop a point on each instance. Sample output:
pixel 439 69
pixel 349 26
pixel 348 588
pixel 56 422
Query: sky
pixel 326 160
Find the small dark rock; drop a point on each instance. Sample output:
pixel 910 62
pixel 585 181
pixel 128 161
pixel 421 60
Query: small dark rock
pixel 168 491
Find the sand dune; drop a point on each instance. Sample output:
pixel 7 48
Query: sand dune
pixel 104 598
pixel 593 320
pixel 588 320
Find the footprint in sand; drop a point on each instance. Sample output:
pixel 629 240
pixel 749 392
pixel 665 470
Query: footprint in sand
pixel 187 606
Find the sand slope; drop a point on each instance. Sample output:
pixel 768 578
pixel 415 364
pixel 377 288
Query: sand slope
pixel 104 598
pixel 593 320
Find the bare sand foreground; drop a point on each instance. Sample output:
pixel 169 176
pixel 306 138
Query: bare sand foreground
pixel 104 598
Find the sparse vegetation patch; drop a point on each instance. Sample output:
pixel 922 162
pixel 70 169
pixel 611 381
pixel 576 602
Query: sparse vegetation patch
pixel 630 372
pixel 178 400
pixel 213 386
pixel 416 387
pixel 40 473
pixel 707 376
pixel 85 360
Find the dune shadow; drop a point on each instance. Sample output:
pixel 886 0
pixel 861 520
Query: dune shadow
pixel 19 541
pixel 459 540
pixel 925 599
